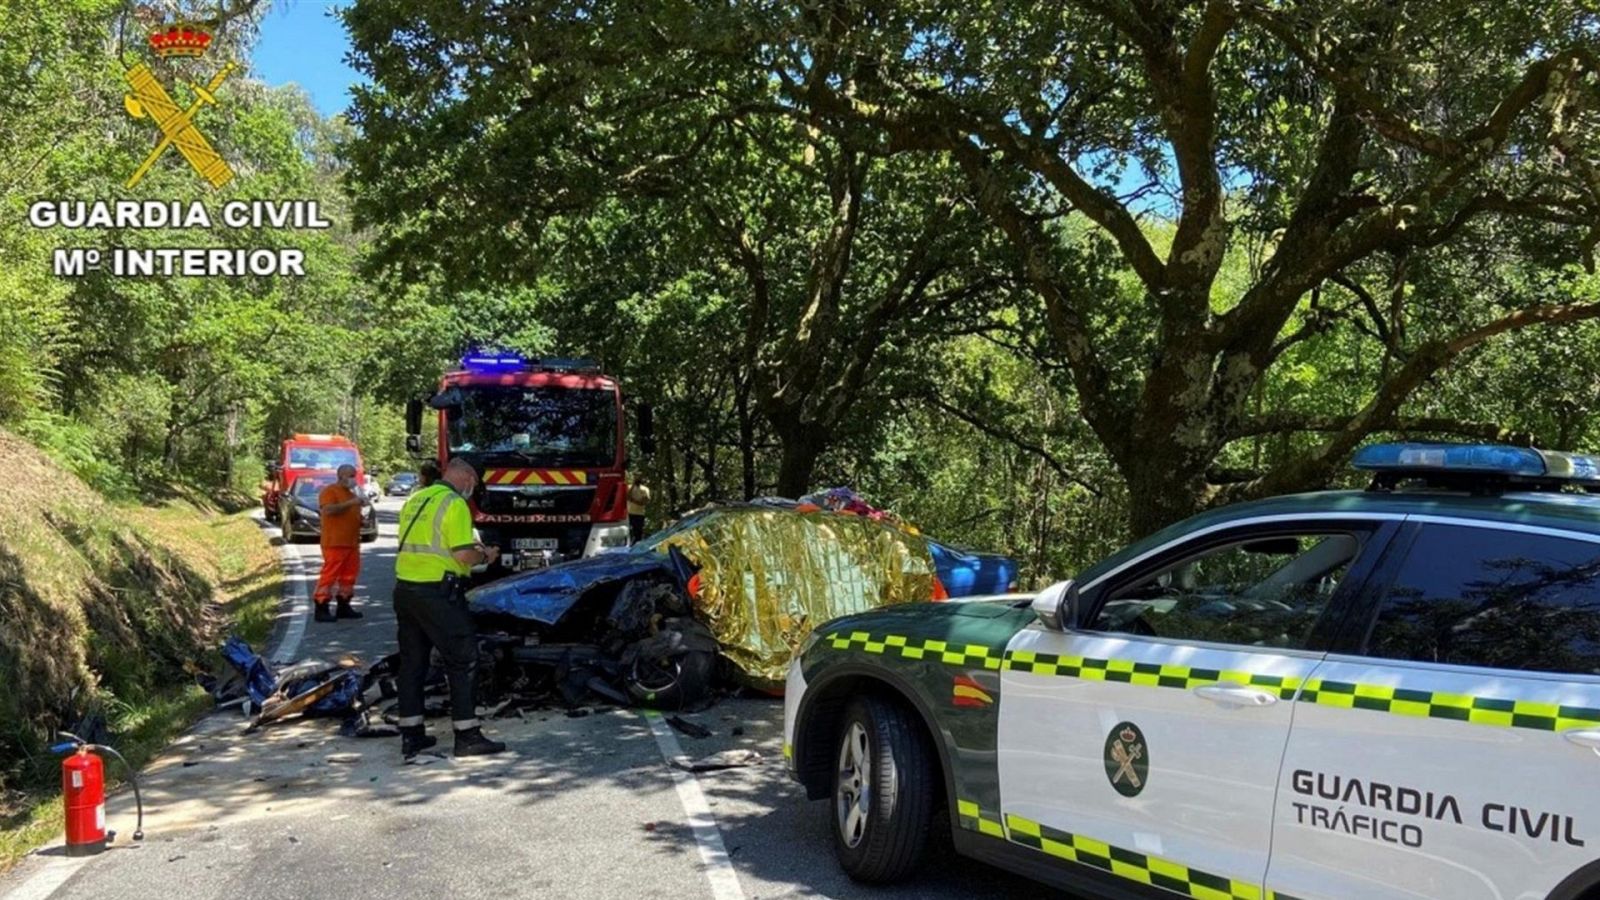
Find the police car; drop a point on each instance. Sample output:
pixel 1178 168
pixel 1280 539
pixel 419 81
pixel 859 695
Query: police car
pixel 1390 693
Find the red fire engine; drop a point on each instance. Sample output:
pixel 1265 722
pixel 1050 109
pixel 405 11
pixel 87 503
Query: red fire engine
pixel 547 438
pixel 307 454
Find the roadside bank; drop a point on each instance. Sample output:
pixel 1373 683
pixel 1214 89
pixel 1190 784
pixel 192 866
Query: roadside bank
pixel 106 612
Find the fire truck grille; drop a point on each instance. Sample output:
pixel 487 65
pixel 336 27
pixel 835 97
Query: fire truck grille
pixel 534 501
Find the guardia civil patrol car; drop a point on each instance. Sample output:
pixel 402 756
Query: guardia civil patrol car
pixel 1389 693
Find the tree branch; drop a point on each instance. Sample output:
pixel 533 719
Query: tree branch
pixel 1067 328
pixel 1427 360
pixel 1294 423
pixel 1017 441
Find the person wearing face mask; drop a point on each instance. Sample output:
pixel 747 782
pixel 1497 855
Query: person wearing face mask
pixel 339 506
pixel 437 552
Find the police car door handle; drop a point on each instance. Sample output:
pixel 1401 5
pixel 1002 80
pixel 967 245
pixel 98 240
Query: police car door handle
pixel 1236 695
pixel 1586 737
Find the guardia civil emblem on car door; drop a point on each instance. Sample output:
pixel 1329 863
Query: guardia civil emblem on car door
pixel 1127 759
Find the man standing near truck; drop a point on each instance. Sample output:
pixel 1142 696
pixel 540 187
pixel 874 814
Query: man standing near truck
pixel 638 502
pixel 437 553
pixel 339 507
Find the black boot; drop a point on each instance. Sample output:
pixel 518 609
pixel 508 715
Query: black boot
pixel 325 613
pixel 344 611
pixel 414 740
pixel 471 742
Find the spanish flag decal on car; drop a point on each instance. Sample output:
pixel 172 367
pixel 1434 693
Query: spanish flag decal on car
pixel 966 692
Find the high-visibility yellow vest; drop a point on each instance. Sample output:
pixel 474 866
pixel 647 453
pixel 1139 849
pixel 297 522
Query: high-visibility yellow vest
pixel 434 523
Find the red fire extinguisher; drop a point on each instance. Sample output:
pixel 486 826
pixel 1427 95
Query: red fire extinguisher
pixel 83 789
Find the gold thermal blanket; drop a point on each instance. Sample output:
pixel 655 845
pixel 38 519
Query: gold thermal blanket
pixel 768 576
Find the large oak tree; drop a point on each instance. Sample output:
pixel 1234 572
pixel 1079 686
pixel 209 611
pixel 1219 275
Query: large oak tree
pixel 1347 143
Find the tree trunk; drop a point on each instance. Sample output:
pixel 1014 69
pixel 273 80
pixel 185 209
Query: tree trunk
pixel 1163 488
pixel 747 442
pixel 169 444
pixel 801 447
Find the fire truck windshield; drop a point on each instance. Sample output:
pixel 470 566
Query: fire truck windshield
pixel 321 457
pixel 535 426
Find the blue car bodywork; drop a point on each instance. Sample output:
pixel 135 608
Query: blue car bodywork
pixel 546 596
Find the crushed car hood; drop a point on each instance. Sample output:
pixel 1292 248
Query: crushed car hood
pixel 546 595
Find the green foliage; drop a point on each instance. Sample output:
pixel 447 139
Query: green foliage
pixel 999 265
pixel 130 380
pixel 1237 239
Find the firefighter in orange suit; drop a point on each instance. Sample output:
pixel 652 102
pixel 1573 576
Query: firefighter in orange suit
pixel 340 507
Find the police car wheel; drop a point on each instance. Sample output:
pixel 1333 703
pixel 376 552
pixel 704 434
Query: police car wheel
pixel 883 792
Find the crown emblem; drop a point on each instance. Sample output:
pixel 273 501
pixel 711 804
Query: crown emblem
pixel 180 40
pixel 1128 736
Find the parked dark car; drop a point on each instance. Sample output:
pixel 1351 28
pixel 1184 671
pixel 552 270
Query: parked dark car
pixel 402 484
pixel 303 519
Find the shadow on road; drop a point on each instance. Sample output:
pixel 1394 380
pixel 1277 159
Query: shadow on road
pixel 584 804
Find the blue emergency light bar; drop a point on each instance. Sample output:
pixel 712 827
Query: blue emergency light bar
pixel 487 362
pixel 495 362
pixel 1483 460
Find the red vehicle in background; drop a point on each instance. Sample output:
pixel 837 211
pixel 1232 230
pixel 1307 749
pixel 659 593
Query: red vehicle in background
pixel 306 454
pixel 547 438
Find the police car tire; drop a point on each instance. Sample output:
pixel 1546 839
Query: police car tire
pixel 901 793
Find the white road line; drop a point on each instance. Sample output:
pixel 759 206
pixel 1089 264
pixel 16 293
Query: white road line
pixel 54 871
pixel 48 878
pixel 718 868
pixel 298 594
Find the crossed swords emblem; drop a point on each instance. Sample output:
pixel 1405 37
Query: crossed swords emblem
pixel 1126 754
pixel 177 126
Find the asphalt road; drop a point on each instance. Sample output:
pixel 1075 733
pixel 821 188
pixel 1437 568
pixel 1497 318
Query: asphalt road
pixel 581 806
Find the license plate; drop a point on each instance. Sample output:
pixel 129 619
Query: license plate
pixel 533 543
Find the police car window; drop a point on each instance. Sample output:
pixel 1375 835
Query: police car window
pixel 1265 592
pixel 1493 597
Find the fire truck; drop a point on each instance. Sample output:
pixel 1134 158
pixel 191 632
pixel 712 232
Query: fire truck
pixel 547 438
pixel 306 454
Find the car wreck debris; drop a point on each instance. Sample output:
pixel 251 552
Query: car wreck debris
pixel 741 583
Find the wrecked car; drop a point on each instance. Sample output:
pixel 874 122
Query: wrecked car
pixel 742 584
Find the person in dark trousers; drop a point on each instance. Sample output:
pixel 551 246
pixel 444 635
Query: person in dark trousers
pixel 437 552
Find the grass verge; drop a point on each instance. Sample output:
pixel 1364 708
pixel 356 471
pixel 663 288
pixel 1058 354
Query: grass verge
pixel 237 570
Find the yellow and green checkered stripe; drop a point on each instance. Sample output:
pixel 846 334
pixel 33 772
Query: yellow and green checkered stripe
pixel 1133 865
pixel 1492 711
pixel 949 652
pixel 973 818
pixel 1141 673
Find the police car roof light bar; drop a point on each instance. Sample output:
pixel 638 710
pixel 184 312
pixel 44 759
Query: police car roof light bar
pixel 1479 468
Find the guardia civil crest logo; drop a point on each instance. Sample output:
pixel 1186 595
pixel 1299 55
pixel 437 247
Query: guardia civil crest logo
pixel 150 99
pixel 1127 759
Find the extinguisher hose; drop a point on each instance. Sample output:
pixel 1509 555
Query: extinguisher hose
pixel 138 801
